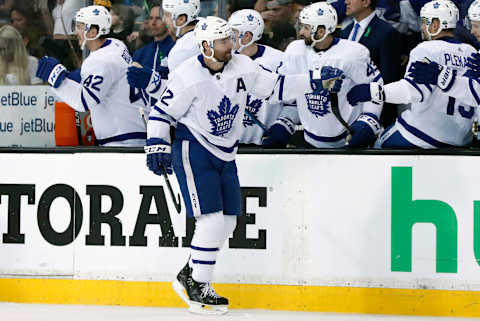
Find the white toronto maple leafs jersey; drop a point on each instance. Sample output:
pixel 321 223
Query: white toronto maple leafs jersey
pixel 435 119
pixel 263 110
pixel 105 92
pixel 185 47
pixel 210 108
pixel 321 127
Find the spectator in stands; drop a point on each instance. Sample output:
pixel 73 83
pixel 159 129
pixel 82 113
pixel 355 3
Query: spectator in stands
pixel 122 22
pixel 5 7
pixel 60 44
pixel 381 39
pixel 63 15
pixel 280 18
pixel 30 28
pixel 16 66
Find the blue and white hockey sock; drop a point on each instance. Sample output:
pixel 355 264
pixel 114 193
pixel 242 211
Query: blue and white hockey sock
pixel 207 239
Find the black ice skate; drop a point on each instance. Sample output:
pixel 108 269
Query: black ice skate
pixel 200 297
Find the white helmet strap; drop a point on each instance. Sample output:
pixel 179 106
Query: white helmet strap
pixel 85 38
pixel 241 36
pixel 211 57
pixel 178 29
pixel 312 35
pixel 427 29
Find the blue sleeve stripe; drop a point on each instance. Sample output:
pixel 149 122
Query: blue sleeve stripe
pixel 159 119
pixel 429 87
pixel 97 100
pixel 280 90
pixel 411 82
pixel 159 110
pixel 265 68
pixel 84 103
pixel 379 76
pixel 472 89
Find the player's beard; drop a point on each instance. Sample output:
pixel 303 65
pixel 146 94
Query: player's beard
pixel 308 41
pixel 226 57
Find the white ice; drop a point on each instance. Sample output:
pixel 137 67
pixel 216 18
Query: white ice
pixel 47 312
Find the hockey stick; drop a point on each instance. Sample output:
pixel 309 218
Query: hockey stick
pixel 177 204
pixel 336 112
pixel 255 120
pixel 78 64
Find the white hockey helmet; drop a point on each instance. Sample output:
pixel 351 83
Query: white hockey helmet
pixel 190 8
pixel 319 14
pixel 247 20
pixel 210 29
pixel 94 15
pixel 474 11
pixel 443 10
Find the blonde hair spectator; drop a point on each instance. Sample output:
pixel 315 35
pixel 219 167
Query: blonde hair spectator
pixel 16 66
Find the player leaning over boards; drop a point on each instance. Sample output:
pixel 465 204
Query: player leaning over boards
pixel 463 87
pixel 102 87
pixel 435 119
pixel 180 17
pixel 276 122
pixel 206 95
pixel 318 46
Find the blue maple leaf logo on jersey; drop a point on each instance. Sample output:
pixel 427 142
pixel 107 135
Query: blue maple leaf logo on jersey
pixel 185 1
pixel 320 12
pixel 436 5
pixel 250 17
pixel 96 12
pixel 253 106
pixel 204 26
pixel 222 121
pixel 318 104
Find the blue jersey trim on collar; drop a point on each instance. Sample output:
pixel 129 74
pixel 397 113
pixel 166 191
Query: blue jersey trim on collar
pixel 334 42
pixel 259 53
pixel 106 43
pixel 449 39
pixel 184 34
pixel 212 72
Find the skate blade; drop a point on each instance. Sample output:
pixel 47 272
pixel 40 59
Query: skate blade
pixel 180 290
pixel 198 308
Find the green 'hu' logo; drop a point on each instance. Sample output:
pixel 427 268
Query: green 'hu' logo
pixel 407 212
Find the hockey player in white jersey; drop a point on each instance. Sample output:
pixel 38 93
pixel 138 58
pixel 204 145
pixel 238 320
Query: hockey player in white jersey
pixel 103 87
pixel 180 16
pixel 271 121
pixel 435 119
pixel 464 87
pixel 322 129
pixel 206 95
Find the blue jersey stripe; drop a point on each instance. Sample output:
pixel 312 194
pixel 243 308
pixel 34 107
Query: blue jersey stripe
pixel 425 137
pixel 159 119
pixel 414 84
pixel 472 89
pixel 122 137
pixel 326 138
pixel 84 103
